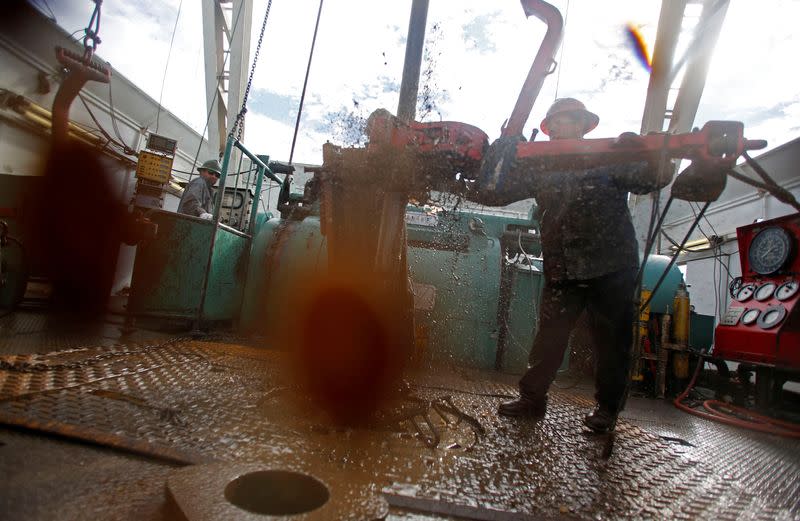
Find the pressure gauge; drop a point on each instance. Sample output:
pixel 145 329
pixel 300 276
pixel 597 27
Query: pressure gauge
pixel 750 316
pixel 745 292
pixel 765 291
pixel 769 250
pixel 787 290
pixel 771 317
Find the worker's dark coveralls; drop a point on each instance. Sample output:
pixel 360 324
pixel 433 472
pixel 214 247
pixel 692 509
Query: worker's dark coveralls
pixel 196 199
pixel 590 263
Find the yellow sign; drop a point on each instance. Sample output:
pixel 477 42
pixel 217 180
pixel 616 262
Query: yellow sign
pixel 153 167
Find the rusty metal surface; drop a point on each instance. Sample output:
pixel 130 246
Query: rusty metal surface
pixel 50 479
pixel 38 332
pixel 231 403
pixel 199 493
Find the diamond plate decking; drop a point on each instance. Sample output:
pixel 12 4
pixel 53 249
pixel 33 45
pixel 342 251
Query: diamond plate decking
pixel 440 448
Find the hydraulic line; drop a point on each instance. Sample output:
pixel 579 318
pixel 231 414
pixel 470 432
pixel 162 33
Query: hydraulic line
pixel 715 411
pixel 769 184
pixel 674 257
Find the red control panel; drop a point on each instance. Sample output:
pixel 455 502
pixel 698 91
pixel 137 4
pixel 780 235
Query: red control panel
pixel 762 323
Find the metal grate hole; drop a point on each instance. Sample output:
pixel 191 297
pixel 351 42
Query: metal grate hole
pixel 277 493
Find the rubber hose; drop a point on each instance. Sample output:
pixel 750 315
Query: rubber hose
pixel 758 423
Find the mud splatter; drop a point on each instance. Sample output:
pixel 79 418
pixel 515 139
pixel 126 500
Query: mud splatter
pixel 431 95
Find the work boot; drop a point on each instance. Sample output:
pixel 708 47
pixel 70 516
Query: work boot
pixel 522 406
pixel 601 420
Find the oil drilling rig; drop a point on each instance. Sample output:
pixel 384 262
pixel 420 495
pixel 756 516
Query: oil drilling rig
pixel 342 356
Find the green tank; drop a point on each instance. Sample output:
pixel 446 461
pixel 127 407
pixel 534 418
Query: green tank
pixel 653 268
pixel 477 281
pixel 285 253
pixel 475 291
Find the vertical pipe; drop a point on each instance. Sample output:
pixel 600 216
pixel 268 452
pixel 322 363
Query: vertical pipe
pixel 247 184
pixel 391 258
pixel 215 220
pixel 256 198
pixel 409 86
pixel 391 234
pixel 234 194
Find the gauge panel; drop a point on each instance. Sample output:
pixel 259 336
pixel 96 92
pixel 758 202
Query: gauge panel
pixel 771 317
pixel 732 316
pixel 745 292
pixel 787 290
pixel 750 316
pixel 769 250
pixel 765 291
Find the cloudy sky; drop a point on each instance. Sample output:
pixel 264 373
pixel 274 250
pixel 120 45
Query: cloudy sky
pixel 477 55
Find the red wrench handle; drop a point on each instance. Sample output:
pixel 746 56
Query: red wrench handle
pixel 717 144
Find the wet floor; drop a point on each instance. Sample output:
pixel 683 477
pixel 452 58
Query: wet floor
pixel 438 450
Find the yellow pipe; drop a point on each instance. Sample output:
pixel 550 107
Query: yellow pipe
pixel 80 132
pixel 75 131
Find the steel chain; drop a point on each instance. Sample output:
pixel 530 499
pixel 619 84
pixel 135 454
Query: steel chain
pixel 92 33
pixel 238 125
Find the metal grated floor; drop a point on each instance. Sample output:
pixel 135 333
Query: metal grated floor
pixel 196 401
pixel 40 332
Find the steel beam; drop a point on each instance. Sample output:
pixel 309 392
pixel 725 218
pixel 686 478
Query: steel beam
pixel 226 47
pixel 239 58
pixel 698 59
pixel 658 116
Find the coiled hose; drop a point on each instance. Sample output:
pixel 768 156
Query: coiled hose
pixel 728 414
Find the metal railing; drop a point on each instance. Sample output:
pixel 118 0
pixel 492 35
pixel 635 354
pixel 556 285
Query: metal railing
pixel 262 170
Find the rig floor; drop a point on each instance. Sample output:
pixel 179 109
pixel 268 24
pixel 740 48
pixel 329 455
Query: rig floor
pixel 97 425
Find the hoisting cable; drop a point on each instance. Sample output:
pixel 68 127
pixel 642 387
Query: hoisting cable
pixel 238 124
pixel 736 416
pixel 91 40
pixel 166 65
pixel 675 257
pixel 305 83
pixel 656 220
pixel 125 148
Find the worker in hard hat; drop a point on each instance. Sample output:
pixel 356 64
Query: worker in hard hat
pixel 591 258
pixel 196 199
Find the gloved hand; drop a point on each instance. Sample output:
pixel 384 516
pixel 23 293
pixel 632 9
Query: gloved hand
pixel 628 139
pixel 206 216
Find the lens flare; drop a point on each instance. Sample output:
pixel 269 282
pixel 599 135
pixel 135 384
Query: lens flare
pixel 636 40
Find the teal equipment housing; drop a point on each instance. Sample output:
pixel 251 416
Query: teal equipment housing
pixel 476 280
pixel 476 275
pixel 285 253
pixel 197 269
pixel 477 283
